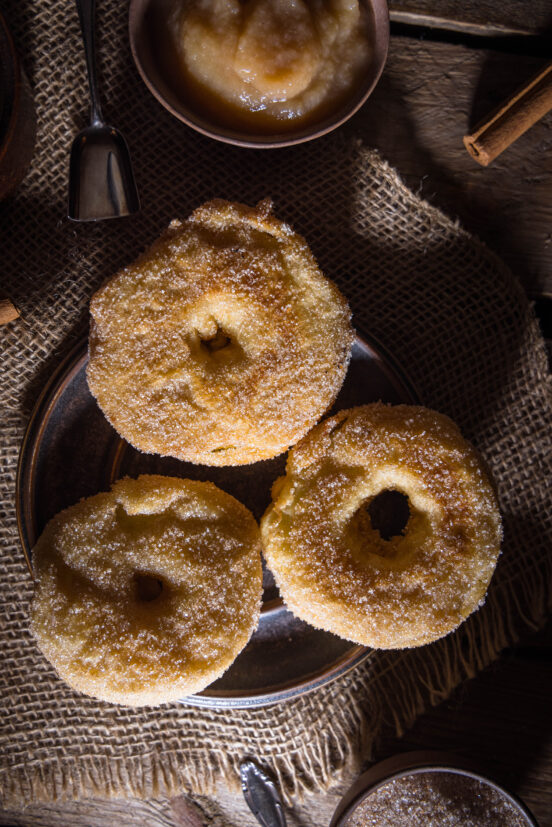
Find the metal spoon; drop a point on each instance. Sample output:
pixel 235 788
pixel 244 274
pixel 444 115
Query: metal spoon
pixel 101 182
pixel 262 796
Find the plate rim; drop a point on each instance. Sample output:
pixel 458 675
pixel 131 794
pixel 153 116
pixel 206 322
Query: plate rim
pixel 70 365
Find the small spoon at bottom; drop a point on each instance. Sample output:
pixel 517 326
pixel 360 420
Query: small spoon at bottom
pixel 261 795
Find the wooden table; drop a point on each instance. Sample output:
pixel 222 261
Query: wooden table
pixel 431 94
pixel 438 82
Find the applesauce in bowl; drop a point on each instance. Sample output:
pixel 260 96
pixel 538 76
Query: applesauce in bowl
pixel 260 72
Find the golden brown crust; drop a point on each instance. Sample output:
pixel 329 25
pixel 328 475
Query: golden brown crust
pixel 147 593
pixel 223 343
pixel 333 567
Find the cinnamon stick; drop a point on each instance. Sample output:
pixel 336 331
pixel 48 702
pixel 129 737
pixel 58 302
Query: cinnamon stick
pixel 8 311
pixel 493 135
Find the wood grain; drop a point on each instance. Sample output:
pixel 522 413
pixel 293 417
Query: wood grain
pixel 430 95
pixel 225 809
pixel 482 17
pixel 501 720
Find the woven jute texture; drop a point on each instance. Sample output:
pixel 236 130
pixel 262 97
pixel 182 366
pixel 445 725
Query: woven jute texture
pixel 447 309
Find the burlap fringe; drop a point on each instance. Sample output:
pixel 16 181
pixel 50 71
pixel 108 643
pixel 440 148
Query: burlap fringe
pixel 154 776
pixel 352 738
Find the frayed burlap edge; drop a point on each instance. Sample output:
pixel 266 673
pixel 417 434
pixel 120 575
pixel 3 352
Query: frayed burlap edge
pixel 352 738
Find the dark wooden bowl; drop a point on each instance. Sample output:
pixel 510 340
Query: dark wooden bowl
pixel 17 116
pixel 140 30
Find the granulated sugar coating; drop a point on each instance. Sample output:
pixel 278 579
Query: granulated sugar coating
pixel 223 343
pixel 147 593
pixel 436 799
pixel 334 568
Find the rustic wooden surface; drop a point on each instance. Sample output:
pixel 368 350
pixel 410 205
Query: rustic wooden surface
pixel 484 17
pixel 431 94
pixel 502 720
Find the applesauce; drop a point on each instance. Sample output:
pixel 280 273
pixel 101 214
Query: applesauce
pixel 267 65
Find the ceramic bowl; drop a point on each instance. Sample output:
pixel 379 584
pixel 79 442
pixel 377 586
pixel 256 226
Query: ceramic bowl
pixel 142 17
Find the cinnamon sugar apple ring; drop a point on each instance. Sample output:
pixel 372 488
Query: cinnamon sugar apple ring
pixel 337 561
pixel 223 343
pixel 147 593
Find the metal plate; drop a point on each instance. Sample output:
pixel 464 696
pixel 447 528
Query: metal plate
pixel 70 451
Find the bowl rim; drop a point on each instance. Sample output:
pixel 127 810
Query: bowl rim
pixel 417 763
pixel 380 13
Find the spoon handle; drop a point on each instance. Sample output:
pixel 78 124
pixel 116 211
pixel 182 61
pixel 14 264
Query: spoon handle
pixel 262 796
pixel 86 10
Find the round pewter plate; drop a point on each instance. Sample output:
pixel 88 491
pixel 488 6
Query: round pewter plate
pixel 70 451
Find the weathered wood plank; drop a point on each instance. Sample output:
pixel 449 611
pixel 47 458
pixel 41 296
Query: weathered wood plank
pixel 226 809
pixel 430 95
pixel 500 720
pixel 482 17
pixel 97 813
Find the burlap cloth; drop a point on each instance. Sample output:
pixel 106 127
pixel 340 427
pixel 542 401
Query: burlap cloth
pixel 448 310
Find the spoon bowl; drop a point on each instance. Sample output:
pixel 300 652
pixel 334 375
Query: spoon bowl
pixel 101 181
